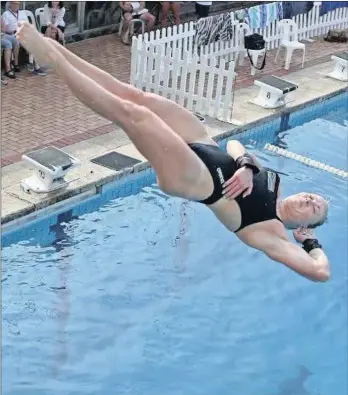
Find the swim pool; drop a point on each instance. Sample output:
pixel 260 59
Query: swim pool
pixel 146 294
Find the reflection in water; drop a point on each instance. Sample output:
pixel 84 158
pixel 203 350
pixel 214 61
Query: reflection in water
pixel 295 386
pixel 61 241
pixel 284 125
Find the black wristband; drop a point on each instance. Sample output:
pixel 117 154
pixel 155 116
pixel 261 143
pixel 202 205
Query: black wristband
pixel 246 161
pixel 311 244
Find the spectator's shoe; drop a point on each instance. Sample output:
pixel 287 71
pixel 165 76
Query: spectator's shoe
pixel 126 38
pixel 15 68
pixel 30 66
pixel 10 74
pixel 39 71
pixel 3 81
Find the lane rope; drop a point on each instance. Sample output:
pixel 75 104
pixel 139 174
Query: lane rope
pixel 306 161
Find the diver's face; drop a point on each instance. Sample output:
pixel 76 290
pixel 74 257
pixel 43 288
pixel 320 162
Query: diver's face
pixel 306 209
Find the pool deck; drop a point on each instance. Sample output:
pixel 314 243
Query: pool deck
pixel 313 85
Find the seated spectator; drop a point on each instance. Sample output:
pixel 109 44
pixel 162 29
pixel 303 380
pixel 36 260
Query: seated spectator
pixel 135 10
pixel 202 8
pixel 52 24
pixel 9 21
pixel 10 45
pixel 173 6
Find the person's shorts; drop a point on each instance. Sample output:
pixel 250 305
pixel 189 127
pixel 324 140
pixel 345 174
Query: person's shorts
pixel 137 16
pixel 9 41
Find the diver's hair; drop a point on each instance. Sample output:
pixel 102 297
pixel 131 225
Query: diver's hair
pixel 322 221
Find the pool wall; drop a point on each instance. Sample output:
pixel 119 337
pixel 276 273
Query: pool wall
pixel 44 224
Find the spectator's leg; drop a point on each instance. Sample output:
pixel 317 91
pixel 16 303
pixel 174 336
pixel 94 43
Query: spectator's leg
pixel 7 59
pixel 16 54
pixel 54 33
pixel 6 45
pixel 61 30
pixel 125 34
pixel 149 20
pixel 127 18
pixel 165 12
pixel 46 30
pixel 176 11
pixel 3 81
pixel 15 50
pixel 36 69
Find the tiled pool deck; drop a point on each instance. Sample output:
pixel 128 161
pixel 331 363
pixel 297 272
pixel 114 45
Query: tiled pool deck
pixel 106 137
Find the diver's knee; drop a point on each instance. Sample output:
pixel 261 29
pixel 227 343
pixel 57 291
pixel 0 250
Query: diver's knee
pixel 140 97
pixel 137 114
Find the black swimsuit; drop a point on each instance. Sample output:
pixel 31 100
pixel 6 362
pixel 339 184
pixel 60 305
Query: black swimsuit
pixel 260 205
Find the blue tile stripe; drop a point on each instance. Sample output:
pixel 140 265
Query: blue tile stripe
pixel 44 229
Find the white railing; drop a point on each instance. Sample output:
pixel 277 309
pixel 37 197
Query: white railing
pixel 177 39
pixel 200 84
pixel 148 60
pixel 309 25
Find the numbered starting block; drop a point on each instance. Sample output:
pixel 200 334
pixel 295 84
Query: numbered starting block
pixel 50 167
pixel 272 91
pixel 340 71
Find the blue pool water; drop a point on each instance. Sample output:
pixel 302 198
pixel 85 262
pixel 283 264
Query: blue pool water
pixel 149 295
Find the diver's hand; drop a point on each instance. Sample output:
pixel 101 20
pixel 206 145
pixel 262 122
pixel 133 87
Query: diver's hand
pixel 240 182
pixel 302 234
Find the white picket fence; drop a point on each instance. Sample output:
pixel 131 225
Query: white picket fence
pixel 165 51
pixel 200 84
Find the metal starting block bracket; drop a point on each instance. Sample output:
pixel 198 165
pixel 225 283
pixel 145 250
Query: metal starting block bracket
pixel 50 167
pixel 272 91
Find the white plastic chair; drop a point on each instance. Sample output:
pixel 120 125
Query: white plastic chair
pixel 32 21
pixel 131 25
pixel 38 16
pixel 289 40
pixel 31 18
pixel 242 30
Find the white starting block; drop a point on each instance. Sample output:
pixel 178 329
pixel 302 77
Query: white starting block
pixel 340 71
pixel 272 91
pixel 50 167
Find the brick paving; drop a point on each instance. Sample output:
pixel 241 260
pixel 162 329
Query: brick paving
pixel 40 111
